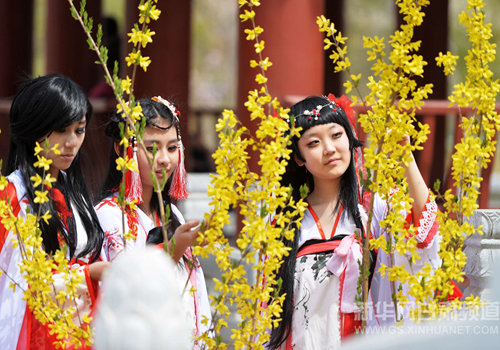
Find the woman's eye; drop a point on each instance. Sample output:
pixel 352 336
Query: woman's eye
pixel 150 149
pixel 80 131
pixel 173 148
pixel 312 143
pixel 337 135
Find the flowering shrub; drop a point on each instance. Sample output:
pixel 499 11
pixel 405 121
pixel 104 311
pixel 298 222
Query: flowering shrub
pixel 472 153
pixel 260 243
pixel 390 115
pixel 55 306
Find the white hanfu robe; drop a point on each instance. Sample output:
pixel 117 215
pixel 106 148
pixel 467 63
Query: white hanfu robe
pixel 325 285
pixel 18 327
pixel 109 213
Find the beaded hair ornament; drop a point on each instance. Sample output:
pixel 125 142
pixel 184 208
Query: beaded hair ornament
pixel 343 103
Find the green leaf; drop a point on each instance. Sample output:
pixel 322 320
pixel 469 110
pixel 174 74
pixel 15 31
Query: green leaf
pixel 99 35
pixel 152 175
pixel 115 69
pixel 155 149
pixel 437 185
pixel 104 54
pixel 89 41
pixel 361 179
pixel 83 3
pixel 264 210
pixel 167 214
pixel 143 126
pixel 121 125
pixel 118 85
pixel 304 191
pixel 218 340
pixel 165 179
pixel 90 24
pixel 172 246
pixel 73 13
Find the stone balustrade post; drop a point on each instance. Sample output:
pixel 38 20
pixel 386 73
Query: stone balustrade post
pixel 483 253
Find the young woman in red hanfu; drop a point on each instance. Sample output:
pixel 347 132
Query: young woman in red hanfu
pixel 51 107
pixel 163 130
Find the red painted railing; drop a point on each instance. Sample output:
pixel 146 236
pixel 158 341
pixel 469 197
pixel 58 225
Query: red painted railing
pixel 429 114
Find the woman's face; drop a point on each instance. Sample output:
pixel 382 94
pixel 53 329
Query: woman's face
pixel 167 154
pixel 325 149
pixel 70 140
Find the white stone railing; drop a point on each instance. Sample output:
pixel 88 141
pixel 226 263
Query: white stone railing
pixel 483 253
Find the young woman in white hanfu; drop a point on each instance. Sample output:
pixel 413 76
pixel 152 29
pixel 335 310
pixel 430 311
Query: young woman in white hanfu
pixel 321 272
pixel 50 107
pixel 163 130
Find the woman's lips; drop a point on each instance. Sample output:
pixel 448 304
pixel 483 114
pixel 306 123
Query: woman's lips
pixel 68 157
pixel 159 173
pixel 332 161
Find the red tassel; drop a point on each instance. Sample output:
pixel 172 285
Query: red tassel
pixel 133 184
pixel 179 181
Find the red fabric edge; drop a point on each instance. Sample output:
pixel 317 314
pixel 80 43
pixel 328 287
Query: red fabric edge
pixel 25 334
pixel 430 236
pixel 432 232
pixel 106 202
pixel 90 284
pixel 341 315
pixel 348 322
pixel 318 248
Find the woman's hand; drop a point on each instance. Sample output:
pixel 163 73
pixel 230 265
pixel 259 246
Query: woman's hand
pixel 405 140
pixel 184 236
pixel 97 269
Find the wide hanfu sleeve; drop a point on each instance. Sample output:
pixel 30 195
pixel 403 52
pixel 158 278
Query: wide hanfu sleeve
pixel 110 218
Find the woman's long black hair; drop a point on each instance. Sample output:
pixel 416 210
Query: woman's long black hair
pixel 296 176
pixel 44 105
pixel 151 111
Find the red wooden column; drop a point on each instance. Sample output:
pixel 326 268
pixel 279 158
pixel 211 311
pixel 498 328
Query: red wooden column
pixel 16 26
pixel 293 44
pixel 168 73
pixel 66 44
